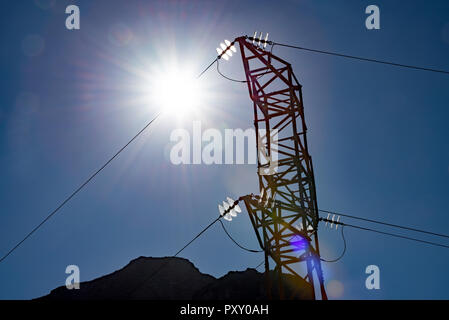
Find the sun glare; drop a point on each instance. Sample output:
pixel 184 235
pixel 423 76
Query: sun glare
pixel 176 91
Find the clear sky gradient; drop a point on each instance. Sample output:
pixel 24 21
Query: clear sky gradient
pixel 70 99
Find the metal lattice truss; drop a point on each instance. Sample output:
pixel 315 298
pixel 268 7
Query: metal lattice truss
pixel 285 214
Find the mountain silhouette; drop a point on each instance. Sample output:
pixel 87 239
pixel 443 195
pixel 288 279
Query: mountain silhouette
pixel 169 278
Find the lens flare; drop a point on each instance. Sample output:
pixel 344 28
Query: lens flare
pixel 335 289
pixel 298 243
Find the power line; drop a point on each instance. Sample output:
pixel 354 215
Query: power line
pixel 185 246
pixel 375 231
pixel 236 243
pixel 197 236
pixel 329 261
pixel 397 236
pixel 344 249
pixel 207 68
pixel 360 58
pixel 226 77
pixel 367 229
pixel 235 80
pixel 386 224
pixel 385 233
pixel 259 264
pixel 89 179
pixel 78 189
pixel 175 255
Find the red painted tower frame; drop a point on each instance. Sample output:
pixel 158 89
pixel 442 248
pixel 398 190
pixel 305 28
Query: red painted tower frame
pixel 286 223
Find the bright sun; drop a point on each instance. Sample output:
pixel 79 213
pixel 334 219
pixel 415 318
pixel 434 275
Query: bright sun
pixel 176 91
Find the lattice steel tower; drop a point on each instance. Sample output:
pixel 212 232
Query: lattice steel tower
pixel 286 226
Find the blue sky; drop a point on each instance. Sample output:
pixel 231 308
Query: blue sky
pixel 69 99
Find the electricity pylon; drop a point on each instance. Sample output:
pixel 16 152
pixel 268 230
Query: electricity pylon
pixel 285 215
